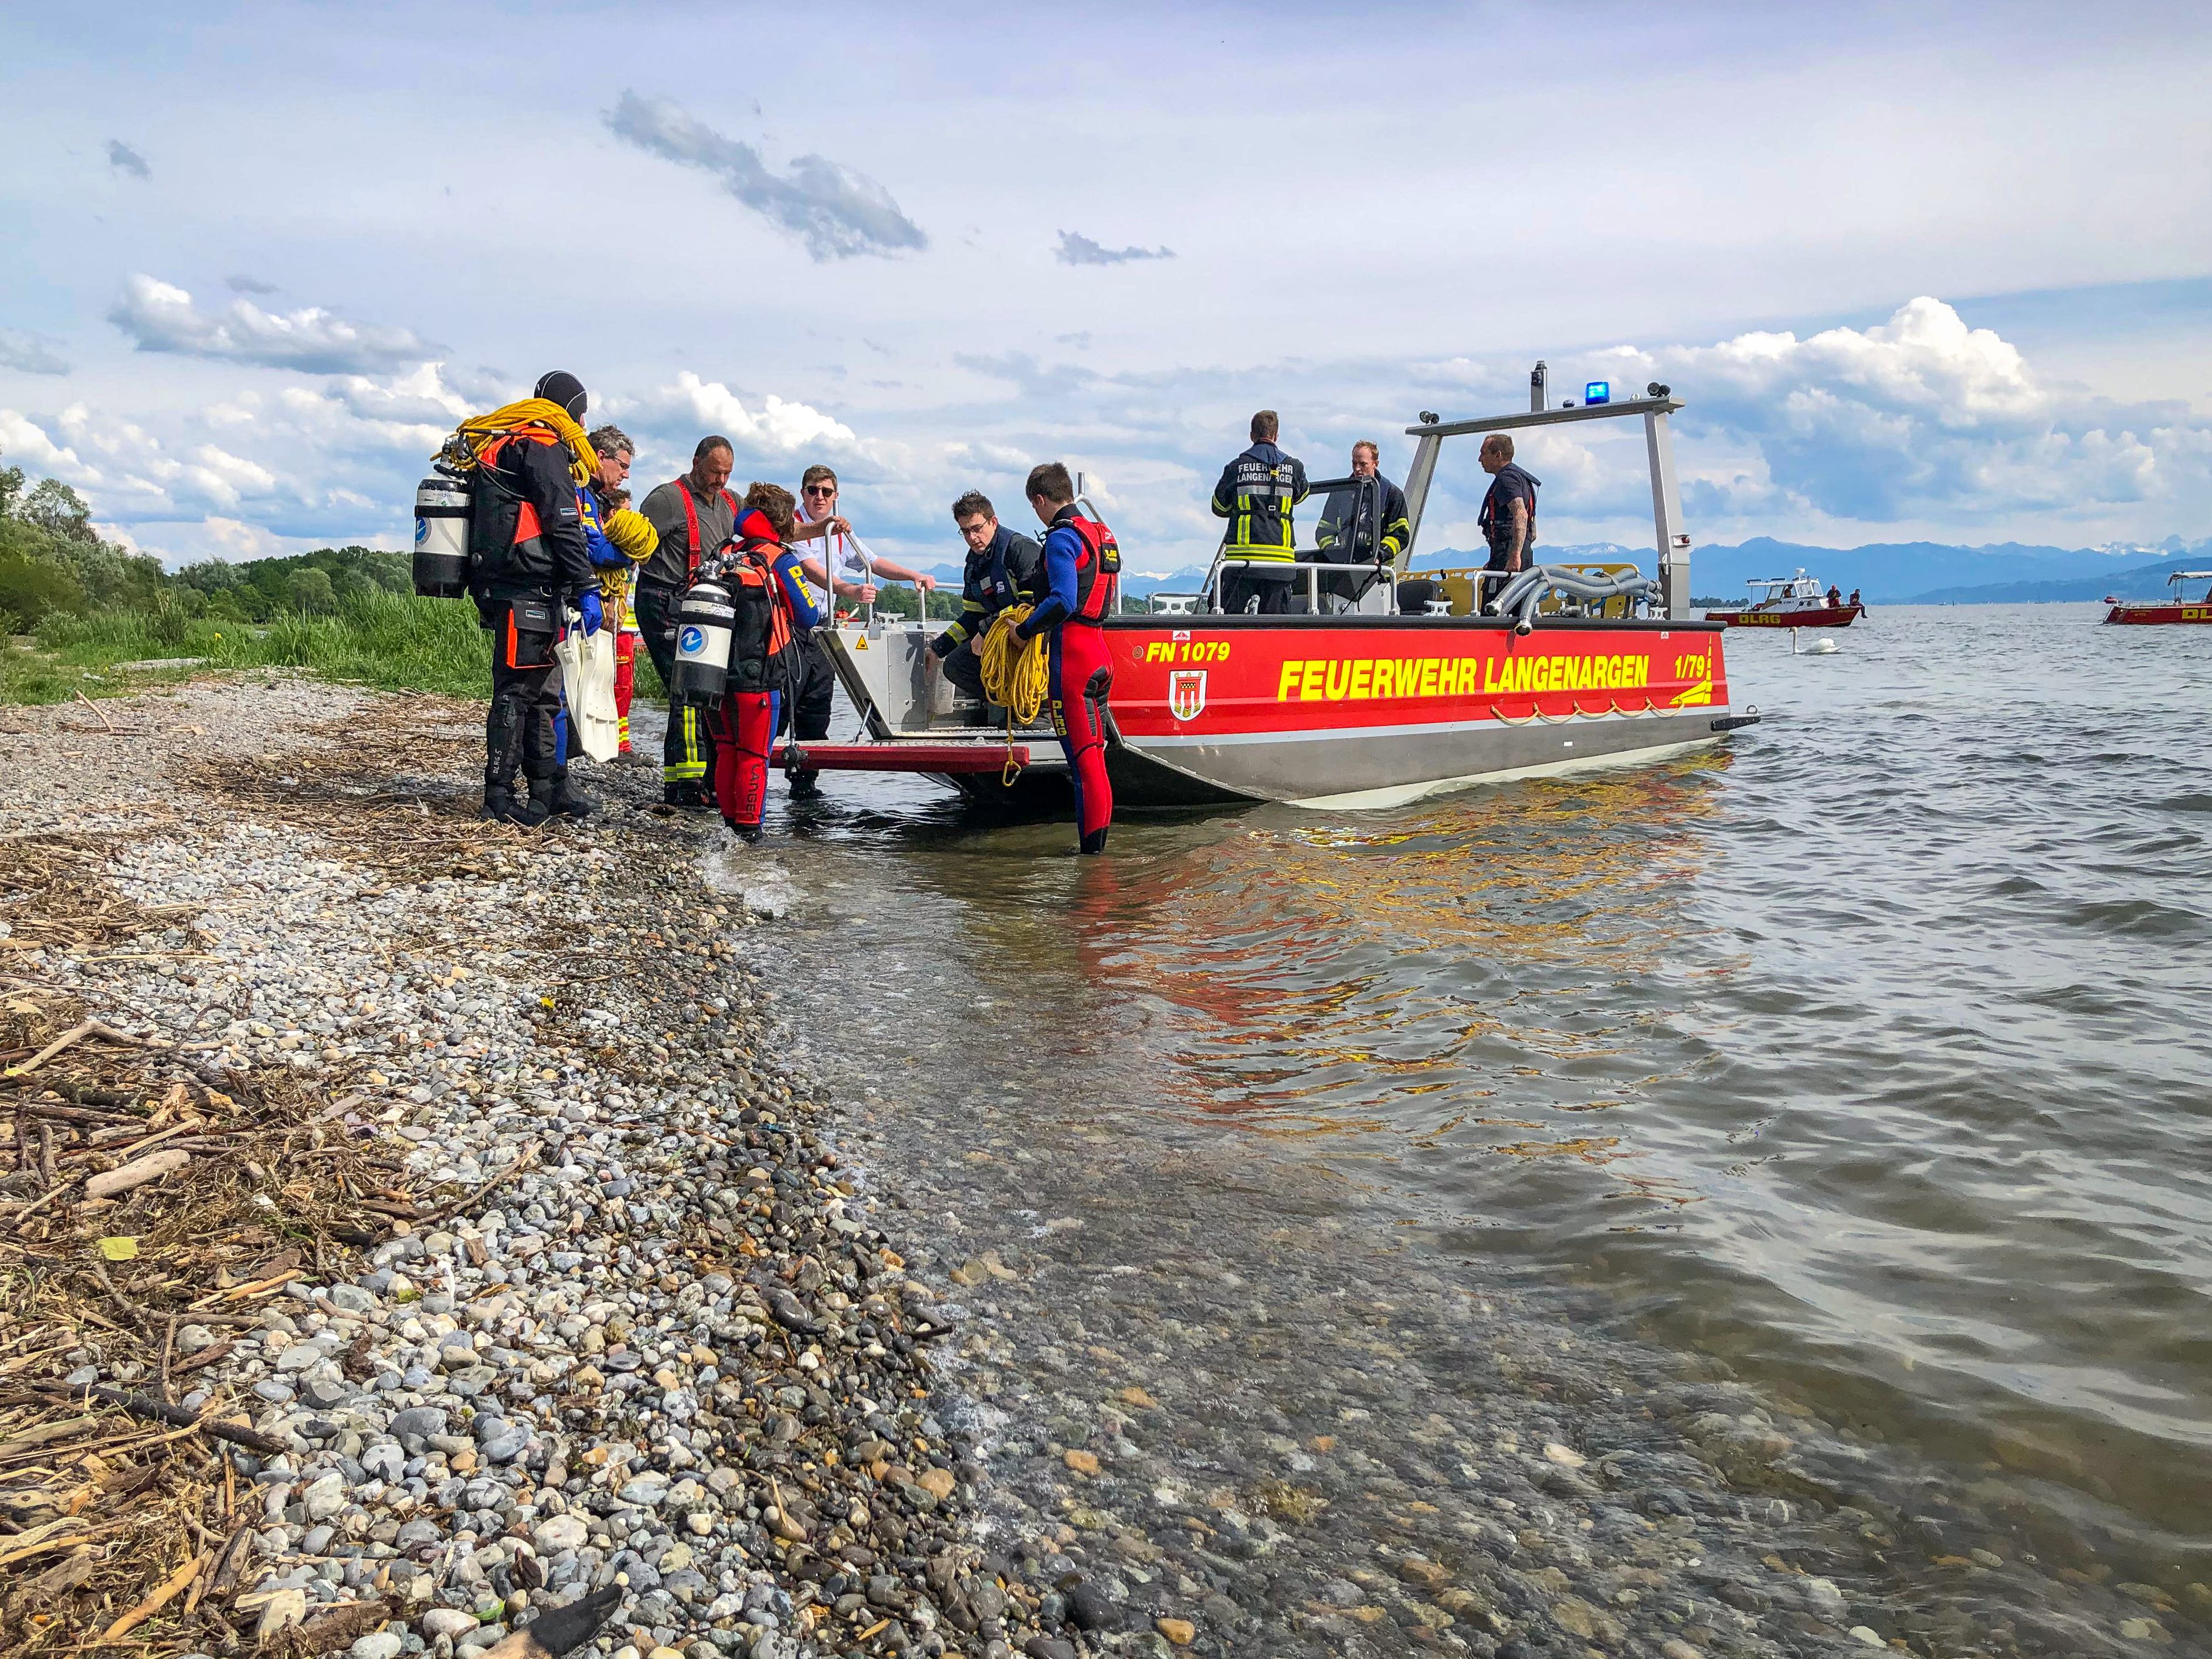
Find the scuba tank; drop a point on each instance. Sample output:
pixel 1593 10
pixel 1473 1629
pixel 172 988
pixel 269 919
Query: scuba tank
pixel 441 537
pixel 703 622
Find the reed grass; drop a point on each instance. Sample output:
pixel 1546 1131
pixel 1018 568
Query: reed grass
pixel 393 641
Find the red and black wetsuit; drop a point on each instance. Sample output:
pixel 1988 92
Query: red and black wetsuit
pixel 1082 573
pixel 771 601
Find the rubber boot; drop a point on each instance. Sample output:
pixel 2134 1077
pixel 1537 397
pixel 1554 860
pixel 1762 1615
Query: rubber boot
pixel 688 797
pixel 561 799
pixel 1096 840
pixel 501 807
pixel 805 786
pixel 747 833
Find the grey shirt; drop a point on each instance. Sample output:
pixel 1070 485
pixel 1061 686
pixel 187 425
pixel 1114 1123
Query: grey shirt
pixel 671 564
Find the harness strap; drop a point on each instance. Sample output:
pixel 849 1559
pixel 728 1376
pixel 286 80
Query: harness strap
pixel 691 522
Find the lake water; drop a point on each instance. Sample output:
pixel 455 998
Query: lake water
pixel 1864 1060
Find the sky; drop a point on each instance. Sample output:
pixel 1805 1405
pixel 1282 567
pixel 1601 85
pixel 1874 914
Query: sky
pixel 1918 272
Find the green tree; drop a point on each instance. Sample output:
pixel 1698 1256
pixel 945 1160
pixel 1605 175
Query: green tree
pixel 309 591
pixel 59 511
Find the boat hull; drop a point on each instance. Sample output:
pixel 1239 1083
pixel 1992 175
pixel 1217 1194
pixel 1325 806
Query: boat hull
pixel 1335 712
pixel 1356 711
pixel 2137 616
pixel 1827 616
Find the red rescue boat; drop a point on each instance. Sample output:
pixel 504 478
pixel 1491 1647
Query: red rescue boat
pixel 1789 601
pixel 1382 685
pixel 2178 609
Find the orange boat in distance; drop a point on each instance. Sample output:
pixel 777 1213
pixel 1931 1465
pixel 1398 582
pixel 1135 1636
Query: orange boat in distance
pixel 1789 601
pixel 2178 609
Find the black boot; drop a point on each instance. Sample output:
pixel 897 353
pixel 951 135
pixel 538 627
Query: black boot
pixel 690 797
pixel 568 801
pixel 501 807
pixel 1096 840
pixel 805 786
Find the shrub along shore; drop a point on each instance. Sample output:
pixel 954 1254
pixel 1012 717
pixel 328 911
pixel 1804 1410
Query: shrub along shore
pixel 80 617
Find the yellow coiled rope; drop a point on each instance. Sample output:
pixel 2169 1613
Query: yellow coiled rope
pixel 633 533
pixel 1015 674
pixel 1015 677
pixel 475 434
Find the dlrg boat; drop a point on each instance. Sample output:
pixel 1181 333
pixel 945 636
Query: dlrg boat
pixel 1381 686
pixel 1787 602
pixel 2175 609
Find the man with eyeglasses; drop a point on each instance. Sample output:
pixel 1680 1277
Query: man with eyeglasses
pixel 842 569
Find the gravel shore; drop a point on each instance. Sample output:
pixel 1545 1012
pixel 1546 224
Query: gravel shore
pixel 618 1293
pixel 657 1340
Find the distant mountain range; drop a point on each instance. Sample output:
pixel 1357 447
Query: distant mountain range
pixel 1885 572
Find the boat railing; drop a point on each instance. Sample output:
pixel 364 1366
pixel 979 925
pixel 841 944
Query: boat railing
pixel 1367 579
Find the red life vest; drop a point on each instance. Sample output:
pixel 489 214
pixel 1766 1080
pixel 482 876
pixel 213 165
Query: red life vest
pixel 763 642
pixel 1097 570
pixel 691 519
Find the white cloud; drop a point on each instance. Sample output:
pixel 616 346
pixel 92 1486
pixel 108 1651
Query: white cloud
pixel 776 429
pixel 235 539
pixel 836 212
pixel 1920 416
pixel 24 441
pixel 1077 249
pixel 162 316
pixel 28 353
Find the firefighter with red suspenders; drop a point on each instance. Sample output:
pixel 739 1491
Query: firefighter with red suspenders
pixel 1082 579
pixel 694 514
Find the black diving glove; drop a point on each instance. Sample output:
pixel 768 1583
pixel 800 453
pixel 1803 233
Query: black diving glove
pixel 943 646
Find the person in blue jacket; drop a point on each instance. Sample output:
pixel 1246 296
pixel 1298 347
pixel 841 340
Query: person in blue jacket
pixel 1003 568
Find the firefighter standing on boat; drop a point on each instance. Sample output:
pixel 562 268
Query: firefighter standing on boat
pixel 1083 575
pixel 1257 493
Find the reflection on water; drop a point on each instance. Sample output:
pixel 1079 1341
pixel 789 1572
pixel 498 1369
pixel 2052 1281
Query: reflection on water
pixel 1868 1056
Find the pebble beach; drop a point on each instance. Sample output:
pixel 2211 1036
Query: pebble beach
pixel 640 1291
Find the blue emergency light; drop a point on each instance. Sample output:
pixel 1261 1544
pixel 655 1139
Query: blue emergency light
pixel 1598 392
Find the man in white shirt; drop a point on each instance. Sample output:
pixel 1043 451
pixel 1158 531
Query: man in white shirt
pixel 843 568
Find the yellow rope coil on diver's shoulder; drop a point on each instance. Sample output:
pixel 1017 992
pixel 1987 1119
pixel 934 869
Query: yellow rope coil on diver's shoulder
pixel 1015 674
pixel 476 433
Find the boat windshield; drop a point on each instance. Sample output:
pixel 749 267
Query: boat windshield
pixel 1341 522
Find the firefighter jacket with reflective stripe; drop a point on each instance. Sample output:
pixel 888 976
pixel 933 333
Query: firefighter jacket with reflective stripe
pixel 525 535
pixel 1082 570
pixel 1010 571
pixel 1346 530
pixel 1256 493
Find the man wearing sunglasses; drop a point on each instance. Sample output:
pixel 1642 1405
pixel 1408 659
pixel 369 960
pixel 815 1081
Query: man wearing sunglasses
pixel 843 567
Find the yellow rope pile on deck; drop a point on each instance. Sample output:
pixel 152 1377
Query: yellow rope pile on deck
pixel 476 433
pixel 1015 674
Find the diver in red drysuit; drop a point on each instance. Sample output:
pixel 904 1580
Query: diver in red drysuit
pixel 772 610
pixel 1082 573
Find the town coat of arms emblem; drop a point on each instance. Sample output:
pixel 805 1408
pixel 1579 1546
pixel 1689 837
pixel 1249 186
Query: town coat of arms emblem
pixel 1187 694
